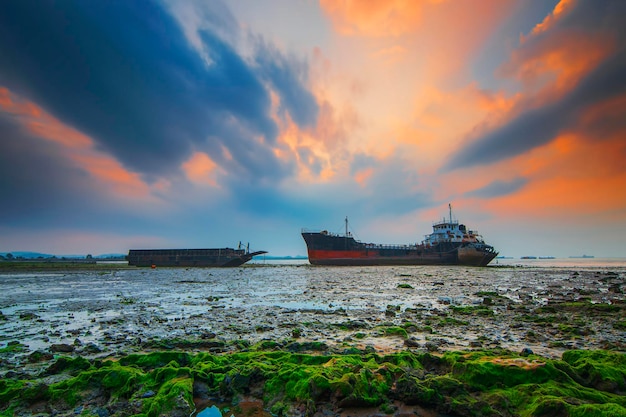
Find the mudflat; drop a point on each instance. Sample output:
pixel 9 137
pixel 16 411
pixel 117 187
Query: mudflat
pixel 115 312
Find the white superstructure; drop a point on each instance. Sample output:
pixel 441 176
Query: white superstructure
pixel 449 230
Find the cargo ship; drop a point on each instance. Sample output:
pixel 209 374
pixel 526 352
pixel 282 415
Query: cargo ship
pixel 218 257
pixel 450 243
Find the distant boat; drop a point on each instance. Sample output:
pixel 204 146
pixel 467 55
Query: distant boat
pixel 219 257
pixel 583 256
pixel 450 243
pixel 528 257
pixel 546 257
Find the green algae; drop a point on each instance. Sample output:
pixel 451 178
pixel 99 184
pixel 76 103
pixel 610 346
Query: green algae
pixel 451 321
pixel 602 370
pixel 481 382
pixel 472 310
pixel 396 331
pixel 12 347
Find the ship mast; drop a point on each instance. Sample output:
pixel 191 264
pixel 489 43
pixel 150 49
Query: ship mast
pixel 450 207
pixel 345 240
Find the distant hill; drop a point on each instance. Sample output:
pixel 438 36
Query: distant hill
pixel 27 255
pixel 110 255
pixel 38 255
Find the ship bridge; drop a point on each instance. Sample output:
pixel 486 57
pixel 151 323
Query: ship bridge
pixel 449 230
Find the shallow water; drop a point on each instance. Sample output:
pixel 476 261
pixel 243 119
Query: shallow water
pixel 119 310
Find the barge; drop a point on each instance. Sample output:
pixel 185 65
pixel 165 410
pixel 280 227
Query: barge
pixel 217 257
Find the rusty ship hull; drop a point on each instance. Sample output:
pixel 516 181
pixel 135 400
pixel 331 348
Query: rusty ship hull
pixel 333 250
pixel 450 243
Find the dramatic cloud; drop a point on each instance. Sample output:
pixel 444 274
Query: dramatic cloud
pixel 124 74
pixel 535 124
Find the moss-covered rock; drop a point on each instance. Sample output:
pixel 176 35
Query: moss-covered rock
pixel 472 383
pixel 600 370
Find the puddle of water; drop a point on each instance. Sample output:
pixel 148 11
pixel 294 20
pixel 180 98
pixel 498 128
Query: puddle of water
pixel 249 407
pixel 211 411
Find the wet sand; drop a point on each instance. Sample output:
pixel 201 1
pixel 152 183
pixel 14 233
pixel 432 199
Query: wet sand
pixel 382 309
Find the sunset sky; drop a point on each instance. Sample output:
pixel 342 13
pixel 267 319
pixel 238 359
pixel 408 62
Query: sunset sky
pixel 162 124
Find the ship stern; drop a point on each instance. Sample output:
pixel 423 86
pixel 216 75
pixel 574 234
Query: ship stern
pixel 476 254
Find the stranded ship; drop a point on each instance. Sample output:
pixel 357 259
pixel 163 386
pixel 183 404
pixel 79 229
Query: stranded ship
pixel 450 243
pixel 219 257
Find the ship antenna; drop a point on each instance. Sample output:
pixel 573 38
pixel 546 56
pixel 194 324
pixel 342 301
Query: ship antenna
pixel 450 207
pixel 346 226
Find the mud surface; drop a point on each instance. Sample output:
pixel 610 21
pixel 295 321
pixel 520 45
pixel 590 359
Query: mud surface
pixel 99 314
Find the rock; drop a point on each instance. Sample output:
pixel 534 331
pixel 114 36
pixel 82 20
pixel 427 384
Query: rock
pixel 391 310
pixel 526 351
pixel 102 412
pixel 39 356
pixel 148 394
pixel 431 346
pixel 92 348
pixel 62 347
pixel 411 342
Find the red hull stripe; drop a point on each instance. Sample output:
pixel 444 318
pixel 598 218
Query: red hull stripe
pixel 341 254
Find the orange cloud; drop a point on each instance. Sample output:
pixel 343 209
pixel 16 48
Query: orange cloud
pixel 570 177
pixel 361 177
pixel 412 103
pixel 320 152
pixel 201 169
pixel 557 63
pixel 392 55
pixel 5 99
pixel 603 116
pixel 579 172
pixel 374 17
pixel 310 154
pixel 441 120
pixel 561 9
pixel 79 148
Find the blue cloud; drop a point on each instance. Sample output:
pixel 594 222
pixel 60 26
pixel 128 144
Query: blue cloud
pixel 124 73
pixel 498 188
pixel 41 188
pixel 289 78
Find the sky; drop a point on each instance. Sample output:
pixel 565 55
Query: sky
pixel 199 124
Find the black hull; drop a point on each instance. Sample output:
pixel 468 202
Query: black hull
pixel 221 257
